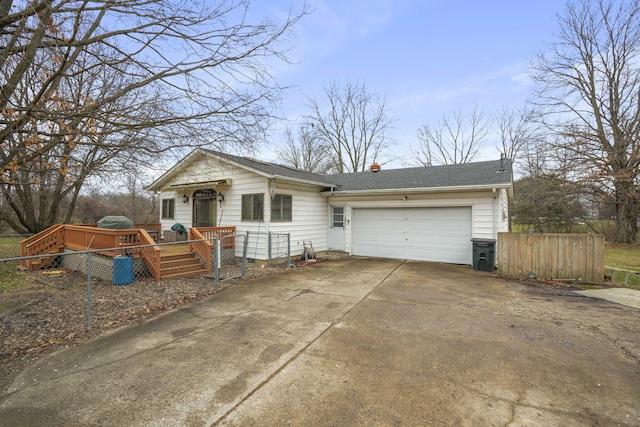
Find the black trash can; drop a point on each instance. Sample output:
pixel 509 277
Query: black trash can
pixel 484 254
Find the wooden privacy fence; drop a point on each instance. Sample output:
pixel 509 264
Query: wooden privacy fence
pixel 552 256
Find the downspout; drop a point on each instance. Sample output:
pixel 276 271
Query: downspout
pixel 495 218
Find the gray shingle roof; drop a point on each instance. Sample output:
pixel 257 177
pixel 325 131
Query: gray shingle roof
pixel 275 169
pixel 495 172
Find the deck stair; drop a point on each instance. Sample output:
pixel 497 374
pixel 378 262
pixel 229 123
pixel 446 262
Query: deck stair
pixel 178 261
pixel 49 241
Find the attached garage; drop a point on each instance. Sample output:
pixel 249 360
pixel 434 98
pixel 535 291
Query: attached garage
pixel 426 234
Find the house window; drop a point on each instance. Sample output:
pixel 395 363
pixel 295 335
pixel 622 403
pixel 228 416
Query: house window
pixel 252 207
pixel 337 220
pixel 168 208
pixel 281 207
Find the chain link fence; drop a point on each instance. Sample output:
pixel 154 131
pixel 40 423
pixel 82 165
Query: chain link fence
pixel 230 257
pixel 95 283
pixel 272 248
pixel 54 300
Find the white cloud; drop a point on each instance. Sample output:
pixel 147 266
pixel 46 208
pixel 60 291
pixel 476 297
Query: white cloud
pixel 333 24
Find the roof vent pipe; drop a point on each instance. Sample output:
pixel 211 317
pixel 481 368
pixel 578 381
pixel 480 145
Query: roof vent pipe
pixel 375 167
pixel 501 162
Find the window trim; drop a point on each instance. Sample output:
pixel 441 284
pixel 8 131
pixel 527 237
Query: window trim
pixel 281 208
pixel 333 217
pixel 252 210
pixel 170 209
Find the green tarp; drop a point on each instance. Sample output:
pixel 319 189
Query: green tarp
pixel 179 228
pixel 116 223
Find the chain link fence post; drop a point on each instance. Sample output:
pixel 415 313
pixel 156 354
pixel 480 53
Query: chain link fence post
pixel 243 264
pixel 216 262
pixel 288 250
pixel 89 291
pixel 269 249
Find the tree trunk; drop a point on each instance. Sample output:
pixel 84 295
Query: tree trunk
pixel 626 212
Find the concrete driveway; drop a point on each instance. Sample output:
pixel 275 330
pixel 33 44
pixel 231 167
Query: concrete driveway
pixel 352 342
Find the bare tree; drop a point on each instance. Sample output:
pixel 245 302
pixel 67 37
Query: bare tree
pixel 88 87
pixel 589 83
pixel 455 139
pixel 353 125
pixel 517 131
pixel 306 152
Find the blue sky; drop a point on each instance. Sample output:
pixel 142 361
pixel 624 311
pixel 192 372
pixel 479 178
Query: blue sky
pixel 426 57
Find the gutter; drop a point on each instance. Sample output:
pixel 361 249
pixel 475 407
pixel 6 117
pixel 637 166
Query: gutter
pixel 301 181
pixel 488 187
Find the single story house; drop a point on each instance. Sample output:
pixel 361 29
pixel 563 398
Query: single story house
pixel 419 213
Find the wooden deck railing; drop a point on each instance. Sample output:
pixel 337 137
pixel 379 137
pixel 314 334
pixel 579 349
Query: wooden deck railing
pixel 82 238
pixel 150 226
pixel 150 254
pixel 49 241
pixel 197 244
pixel 220 233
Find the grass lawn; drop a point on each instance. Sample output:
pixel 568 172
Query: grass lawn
pixel 624 257
pixel 10 277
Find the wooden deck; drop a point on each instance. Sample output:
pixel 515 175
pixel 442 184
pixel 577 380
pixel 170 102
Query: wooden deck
pixel 163 261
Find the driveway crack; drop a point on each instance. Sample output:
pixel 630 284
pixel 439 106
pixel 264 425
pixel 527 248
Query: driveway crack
pixel 286 363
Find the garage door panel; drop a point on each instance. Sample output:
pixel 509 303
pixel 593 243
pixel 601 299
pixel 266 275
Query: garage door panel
pixel 430 234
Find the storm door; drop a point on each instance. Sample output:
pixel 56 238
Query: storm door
pixel 204 208
pixel 336 228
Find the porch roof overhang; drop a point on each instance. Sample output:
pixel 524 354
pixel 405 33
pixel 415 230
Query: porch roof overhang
pixel 202 185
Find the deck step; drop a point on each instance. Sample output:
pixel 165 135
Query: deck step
pixel 180 265
pixel 179 261
pixel 177 257
pixel 185 274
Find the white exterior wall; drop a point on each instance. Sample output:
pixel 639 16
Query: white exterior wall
pixel 502 214
pixel 310 217
pixel 309 213
pixel 503 211
pixel 207 169
pixel 482 203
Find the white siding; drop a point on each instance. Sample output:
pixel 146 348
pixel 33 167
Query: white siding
pixel 309 222
pixel 310 217
pixel 182 212
pixel 207 169
pixel 503 211
pixel 481 203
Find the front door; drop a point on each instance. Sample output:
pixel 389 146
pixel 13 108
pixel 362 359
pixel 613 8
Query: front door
pixel 336 228
pixel 204 208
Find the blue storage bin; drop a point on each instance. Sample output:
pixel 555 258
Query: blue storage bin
pixel 122 270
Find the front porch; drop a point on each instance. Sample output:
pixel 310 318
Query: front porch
pixel 191 258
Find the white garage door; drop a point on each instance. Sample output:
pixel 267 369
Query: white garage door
pixel 427 234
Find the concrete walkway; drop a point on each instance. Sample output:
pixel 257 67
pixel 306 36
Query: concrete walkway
pixel 624 296
pixel 351 342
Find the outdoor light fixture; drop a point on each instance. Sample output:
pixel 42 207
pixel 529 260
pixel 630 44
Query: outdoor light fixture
pixel 185 199
pixel 272 188
pixel 220 198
